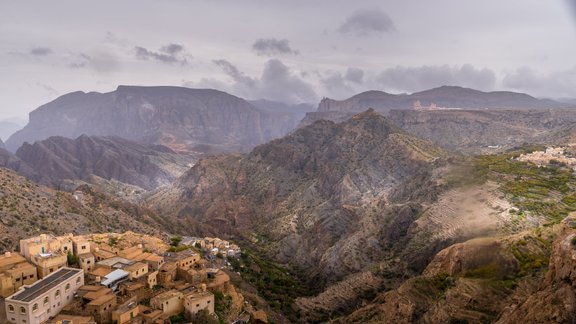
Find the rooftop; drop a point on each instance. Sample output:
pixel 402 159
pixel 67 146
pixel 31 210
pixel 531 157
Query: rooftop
pixel 198 294
pixel 102 300
pixel 114 275
pixel 127 306
pixel 116 262
pixel 101 271
pixel 168 295
pixel 42 286
pixel 135 266
pixel 9 259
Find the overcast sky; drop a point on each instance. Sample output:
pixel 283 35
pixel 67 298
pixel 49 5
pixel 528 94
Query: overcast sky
pixel 292 51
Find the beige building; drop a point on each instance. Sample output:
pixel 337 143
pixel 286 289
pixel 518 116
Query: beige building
pixel 126 312
pixel 183 259
pixel 101 254
pixel 170 302
pixel 15 272
pixel 45 298
pixel 45 244
pixel 132 252
pixel 152 279
pixel 136 270
pixel 48 263
pixel 199 300
pixel 86 261
pixel 80 245
pixel 101 307
pixel 154 261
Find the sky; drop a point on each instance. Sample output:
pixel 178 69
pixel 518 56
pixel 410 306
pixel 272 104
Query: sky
pixel 291 51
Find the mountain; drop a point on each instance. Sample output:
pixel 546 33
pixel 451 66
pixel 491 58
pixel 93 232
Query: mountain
pixel 482 131
pixel 2 146
pixel 445 96
pixel 186 120
pixel 309 197
pixel 28 209
pixel 9 127
pixel 56 159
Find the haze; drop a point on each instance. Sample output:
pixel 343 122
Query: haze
pixel 290 51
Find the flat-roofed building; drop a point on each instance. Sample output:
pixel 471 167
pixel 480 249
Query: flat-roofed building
pixel 183 259
pixel 153 260
pixel 15 272
pixel 136 270
pixel 43 299
pixel 44 244
pixel 101 307
pixel 152 279
pixel 80 245
pixel 131 252
pixel 99 272
pixel 86 261
pixel 126 312
pixel 101 254
pixel 116 262
pixel 47 263
pixel 199 300
pixel 170 302
pixel 115 277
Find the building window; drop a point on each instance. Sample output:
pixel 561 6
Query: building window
pixel 35 307
pixel 67 286
pixel 22 310
pixel 11 308
pixel 46 300
pixel 78 280
pixel 57 293
pixel 83 247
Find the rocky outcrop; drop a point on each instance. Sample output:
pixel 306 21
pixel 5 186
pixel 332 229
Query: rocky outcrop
pixel 319 197
pixel 56 159
pixel 186 120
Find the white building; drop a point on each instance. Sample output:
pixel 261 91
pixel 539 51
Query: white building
pixel 36 303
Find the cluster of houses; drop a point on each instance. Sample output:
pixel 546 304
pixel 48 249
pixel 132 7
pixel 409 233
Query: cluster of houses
pixel 544 158
pixel 215 246
pixel 72 279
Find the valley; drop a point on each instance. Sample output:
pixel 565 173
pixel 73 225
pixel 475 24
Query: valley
pixel 399 215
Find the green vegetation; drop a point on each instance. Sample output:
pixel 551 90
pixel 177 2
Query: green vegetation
pixel 276 284
pixel 221 305
pixel 488 271
pixel 175 241
pixel 178 248
pixel 548 192
pixel 530 261
pixel 178 318
pixel 72 259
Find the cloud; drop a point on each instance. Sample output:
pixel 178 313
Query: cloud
pixel 278 82
pixel 367 22
pixel 558 84
pixel 410 79
pixel 40 51
pixel 272 47
pixel 169 54
pixel 354 75
pixel 100 61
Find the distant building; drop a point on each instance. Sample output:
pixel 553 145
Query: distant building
pixel 87 261
pixel 126 312
pixel 170 302
pixel 72 319
pixel 115 277
pixel 43 299
pixel 15 272
pixel 199 300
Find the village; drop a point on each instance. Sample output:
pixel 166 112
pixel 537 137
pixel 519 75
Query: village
pixel 114 278
pixel 552 155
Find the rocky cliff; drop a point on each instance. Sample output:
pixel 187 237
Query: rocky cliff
pixel 327 199
pixel 186 120
pixel 57 159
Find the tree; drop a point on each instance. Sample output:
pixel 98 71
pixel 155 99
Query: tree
pixel 203 316
pixel 72 259
pixel 175 241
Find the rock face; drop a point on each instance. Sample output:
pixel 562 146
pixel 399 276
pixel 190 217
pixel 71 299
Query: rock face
pixel 186 120
pixel 319 197
pixel 56 159
pixel 482 131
